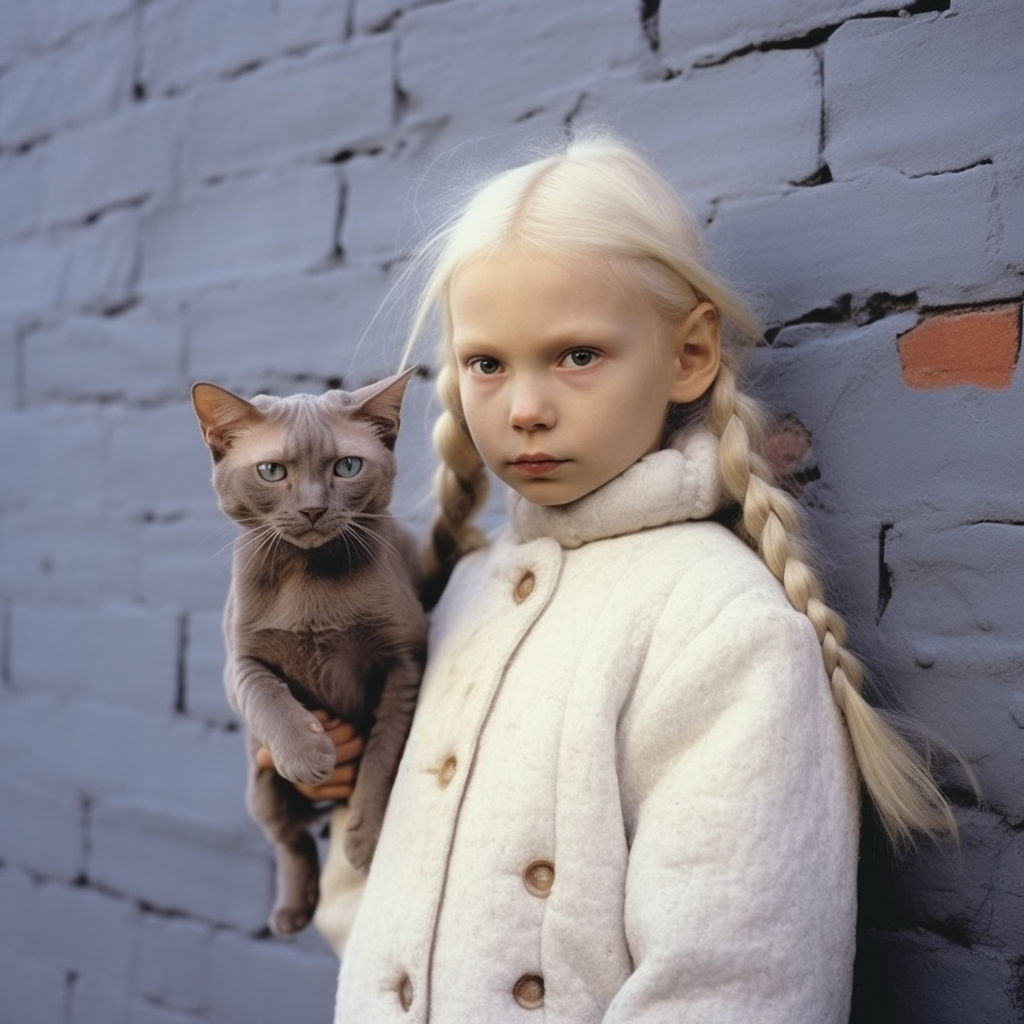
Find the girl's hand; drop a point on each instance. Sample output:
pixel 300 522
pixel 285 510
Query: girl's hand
pixel 348 748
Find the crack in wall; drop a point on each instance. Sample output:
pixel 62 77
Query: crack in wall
pixel 885 575
pixel 815 37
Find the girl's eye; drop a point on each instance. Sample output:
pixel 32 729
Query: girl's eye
pixel 271 471
pixel 579 357
pixel 485 365
pixel 348 466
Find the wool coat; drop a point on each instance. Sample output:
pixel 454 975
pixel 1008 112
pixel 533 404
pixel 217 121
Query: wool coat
pixel 628 796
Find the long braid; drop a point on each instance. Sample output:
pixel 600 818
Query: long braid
pixel 896 776
pixel 461 485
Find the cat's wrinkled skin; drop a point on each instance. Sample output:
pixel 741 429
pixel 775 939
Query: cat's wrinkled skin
pixel 323 610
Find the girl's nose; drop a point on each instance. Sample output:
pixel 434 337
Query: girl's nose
pixel 531 408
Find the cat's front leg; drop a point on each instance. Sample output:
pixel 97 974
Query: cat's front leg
pixel 301 750
pixel 379 764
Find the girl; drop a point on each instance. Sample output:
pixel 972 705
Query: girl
pixel 631 789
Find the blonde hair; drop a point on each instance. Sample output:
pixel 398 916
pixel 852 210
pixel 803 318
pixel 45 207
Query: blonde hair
pixel 597 198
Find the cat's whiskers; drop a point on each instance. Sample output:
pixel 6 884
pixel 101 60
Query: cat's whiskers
pixel 259 545
pixel 363 535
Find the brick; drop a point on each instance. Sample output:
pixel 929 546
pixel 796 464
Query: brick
pixel 885 452
pixel 109 752
pixel 380 221
pixel 67 928
pixel 976 347
pixel 10 369
pixel 877 233
pixel 311 110
pixel 981 566
pixel 89 267
pixel 951 96
pixel 964 689
pixel 21 192
pixel 31 272
pixel 95 1000
pixel 254 335
pixel 135 356
pixel 173 962
pixel 534 70
pixel 41 559
pixel 33 993
pixel 269 981
pixel 187 561
pixel 222 871
pixel 103 262
pixel 917 977
pixel 32 444
pixel 157 463
pixel 981 887
pixel 693 34
pixel 124 654
pixel 32 27
pixel 84 80
pixel 770 135
pixel 204 668
pixel 124 158
pixel 43 829
pixel 1009 168
pixel 262 226
pixel 183 42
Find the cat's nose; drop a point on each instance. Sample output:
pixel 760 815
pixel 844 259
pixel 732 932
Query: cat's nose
pixel 312 514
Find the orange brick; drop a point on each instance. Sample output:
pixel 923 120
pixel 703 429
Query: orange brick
pixel 978 347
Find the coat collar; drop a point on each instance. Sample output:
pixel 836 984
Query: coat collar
pixel 676 483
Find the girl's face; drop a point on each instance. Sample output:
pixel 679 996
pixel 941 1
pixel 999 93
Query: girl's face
pixel 565 378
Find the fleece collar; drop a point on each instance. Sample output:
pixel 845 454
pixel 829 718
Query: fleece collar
pixel 671 485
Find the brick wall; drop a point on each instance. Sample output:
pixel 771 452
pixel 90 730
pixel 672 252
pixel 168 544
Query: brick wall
pixel 221 191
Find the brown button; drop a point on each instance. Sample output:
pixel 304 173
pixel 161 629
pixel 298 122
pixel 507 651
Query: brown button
pixel 524 588
pixel 528 991
pixel 405 992
pixel 538 877
pixel 448 769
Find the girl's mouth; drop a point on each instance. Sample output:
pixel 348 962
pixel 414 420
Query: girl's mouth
pixel 540 464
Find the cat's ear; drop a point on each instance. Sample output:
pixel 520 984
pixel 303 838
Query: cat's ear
pixel 222 415
pixel 381 404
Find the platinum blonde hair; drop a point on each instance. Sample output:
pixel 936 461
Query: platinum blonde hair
pixel 596 198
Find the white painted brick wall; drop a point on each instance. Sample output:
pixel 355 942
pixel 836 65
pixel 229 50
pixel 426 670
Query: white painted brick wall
pixel 227 191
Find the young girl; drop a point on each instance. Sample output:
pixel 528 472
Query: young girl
pixel 631 790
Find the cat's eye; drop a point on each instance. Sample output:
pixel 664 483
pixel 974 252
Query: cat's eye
pixel 348 466
pixel 271 471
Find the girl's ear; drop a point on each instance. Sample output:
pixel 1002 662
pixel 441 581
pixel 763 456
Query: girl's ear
pixel 697 344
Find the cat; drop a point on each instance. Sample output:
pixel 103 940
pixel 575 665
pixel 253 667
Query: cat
pixel 323 609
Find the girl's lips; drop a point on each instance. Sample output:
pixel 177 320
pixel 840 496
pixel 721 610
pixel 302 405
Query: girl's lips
pixel 537 465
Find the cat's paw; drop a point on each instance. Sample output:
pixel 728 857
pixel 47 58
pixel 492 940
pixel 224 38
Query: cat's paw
pixel 308 757
pixel 288 918
pixel 360 840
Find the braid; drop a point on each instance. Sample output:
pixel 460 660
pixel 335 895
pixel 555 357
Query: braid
pixel 461 485
pixel 896 776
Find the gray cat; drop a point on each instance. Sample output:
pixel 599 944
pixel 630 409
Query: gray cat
pixel 323 609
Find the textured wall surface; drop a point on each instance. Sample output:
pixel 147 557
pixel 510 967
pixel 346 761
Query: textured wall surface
pixel 224 190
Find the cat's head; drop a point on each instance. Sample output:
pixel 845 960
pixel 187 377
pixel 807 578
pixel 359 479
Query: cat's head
pixel 305 468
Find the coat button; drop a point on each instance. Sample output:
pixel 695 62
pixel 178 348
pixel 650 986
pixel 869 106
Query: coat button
pixel 538 877
pixel 524 588
pixel 447 770
pixel 405 992
pixel 528 991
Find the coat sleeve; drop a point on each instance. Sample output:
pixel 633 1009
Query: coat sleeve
pixel 741 807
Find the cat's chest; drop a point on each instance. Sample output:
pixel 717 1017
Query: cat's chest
pixel 302 605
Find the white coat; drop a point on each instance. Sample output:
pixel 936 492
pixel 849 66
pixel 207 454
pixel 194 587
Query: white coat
pixel 627 796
